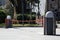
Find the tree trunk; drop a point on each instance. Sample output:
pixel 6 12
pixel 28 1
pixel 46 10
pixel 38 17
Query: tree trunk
pixel 15 16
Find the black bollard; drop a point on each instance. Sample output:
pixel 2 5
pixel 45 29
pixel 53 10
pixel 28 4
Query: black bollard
pixel 49 24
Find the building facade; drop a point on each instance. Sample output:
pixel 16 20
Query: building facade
pixel 52 5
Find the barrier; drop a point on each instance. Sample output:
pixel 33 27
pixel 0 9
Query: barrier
pixel 49 24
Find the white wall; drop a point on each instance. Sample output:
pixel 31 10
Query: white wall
pixel 42 7
pixel 35 8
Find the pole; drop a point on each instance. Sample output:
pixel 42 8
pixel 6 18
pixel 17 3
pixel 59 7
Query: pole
pixel 22 12
pixel 38 14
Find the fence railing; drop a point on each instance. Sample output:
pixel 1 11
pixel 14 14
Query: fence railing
pixel 40 21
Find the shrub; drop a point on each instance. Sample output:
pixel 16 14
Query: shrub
pixel 24 16
pixel 33 17
pixel 2 17
pixel 33 13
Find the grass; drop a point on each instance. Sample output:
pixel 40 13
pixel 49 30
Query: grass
pixel 26 25
pixel 1 25
pixel 17 25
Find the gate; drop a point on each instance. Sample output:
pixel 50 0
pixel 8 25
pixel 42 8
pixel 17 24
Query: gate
pixel 25 16
pixel 28 20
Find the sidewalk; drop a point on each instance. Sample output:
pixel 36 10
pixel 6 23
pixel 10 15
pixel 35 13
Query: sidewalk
pixel 26 33
pixel 58 25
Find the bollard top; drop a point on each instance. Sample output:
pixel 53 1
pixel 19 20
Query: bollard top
pixel 8 17
pixel 49 14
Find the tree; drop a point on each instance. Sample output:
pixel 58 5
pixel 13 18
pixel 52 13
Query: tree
pixel 19 7
pixel 9 8
pixel 2 15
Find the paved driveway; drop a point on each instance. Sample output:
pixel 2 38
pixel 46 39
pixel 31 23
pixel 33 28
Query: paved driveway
pixel 26 33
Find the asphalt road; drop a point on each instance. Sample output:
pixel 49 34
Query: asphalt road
pixel 27 33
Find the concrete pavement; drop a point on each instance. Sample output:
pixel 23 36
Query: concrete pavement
pixel 27 33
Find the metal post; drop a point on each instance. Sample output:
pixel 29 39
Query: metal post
pixel 38 11
pixel 22 12
pixel 49 24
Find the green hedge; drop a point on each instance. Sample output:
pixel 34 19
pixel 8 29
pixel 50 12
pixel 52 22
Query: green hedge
pixel 24 16
pixel 2 17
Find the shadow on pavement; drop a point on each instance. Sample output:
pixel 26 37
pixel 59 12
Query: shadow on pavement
pixel 57 35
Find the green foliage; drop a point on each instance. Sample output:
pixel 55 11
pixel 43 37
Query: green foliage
pixel 33 13
pixel 27 17
pixel 33 18
pixel 23 17
pixel 2 17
